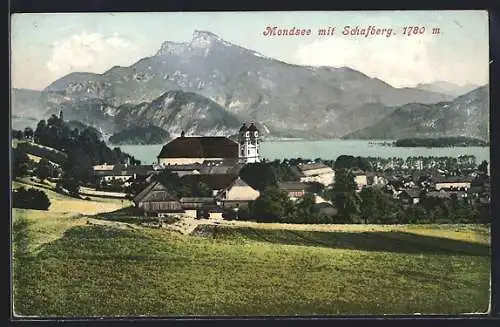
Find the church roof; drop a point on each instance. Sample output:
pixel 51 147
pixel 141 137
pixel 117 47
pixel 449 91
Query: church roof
pixel 252 128
pixel 200 147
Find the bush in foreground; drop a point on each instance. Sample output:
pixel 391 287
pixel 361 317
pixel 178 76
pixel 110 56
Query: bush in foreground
pixel 30 199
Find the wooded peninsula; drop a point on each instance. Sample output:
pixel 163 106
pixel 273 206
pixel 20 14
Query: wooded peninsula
pixel 440 142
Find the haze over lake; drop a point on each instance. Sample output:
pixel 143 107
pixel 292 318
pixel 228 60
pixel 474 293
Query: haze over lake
pixel 329 150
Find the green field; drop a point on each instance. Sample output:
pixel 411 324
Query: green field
pixel 66 265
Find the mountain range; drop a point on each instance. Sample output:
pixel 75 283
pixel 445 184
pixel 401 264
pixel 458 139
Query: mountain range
pixel 208 86
pixel 447 88
pixel 467 115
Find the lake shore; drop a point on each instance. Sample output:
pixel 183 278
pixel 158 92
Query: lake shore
pixel 329 149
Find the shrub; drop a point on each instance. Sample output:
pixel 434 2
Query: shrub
pixel 30 199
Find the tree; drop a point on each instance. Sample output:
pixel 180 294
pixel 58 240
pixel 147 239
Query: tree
pixel 44 169
pixel 259 175
pixel 272 205
pixel 28 133
pixel 343 195
pixel 483 167
pixel 20 163
pixel 369 204
pixel 201 190
pixel 344 182
pixel 16 134
pixel 30 199
pixel 305 211
pixel 69 183
pixel 41 132
pixel 315 187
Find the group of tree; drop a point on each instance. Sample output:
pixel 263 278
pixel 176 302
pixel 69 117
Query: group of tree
pixel 45 169
pixel 140 135
pixel 83 148
pixel 30 199
pixel 21 163
pixel 462 164
pixel 440 142
pixel 27 133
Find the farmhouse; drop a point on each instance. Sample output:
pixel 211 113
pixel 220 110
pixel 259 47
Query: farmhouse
pixel 295 190
pixel 237 194
pixel 315 172
pixel 157 200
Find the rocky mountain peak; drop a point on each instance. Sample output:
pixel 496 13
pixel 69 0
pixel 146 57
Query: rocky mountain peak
pixel 171 48
pixel 201 40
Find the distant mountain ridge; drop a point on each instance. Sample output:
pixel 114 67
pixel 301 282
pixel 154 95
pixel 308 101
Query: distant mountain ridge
pixel 225 80
pixel 467 115
pixel 447 88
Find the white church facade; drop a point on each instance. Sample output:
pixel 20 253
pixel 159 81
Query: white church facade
pixel 249 143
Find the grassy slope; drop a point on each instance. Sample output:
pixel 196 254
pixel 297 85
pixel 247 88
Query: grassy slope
pixel 64 267
pixel 97 270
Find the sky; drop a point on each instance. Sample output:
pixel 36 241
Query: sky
pixel 45 47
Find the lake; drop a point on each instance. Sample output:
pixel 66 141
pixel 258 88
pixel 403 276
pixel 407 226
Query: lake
pixel 329 150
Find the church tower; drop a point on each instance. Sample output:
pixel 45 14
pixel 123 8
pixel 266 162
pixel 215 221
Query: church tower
pixel 61 115
pixel 248 138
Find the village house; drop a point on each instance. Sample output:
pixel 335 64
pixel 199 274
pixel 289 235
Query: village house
pixel 112 173
pixel 315 172
pixel 453 183
pixel 237 194
pixel 295 190
pixel 156 199
pixel 360 178
pixel 228 192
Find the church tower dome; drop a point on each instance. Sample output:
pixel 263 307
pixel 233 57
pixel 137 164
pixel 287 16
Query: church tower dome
pixel 252 127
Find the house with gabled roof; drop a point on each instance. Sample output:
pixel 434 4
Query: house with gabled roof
pixel 156 199
pixel 315 172
pixel 237 194
pixel 295 190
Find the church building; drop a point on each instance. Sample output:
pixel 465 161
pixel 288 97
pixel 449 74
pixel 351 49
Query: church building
pixel 249 143
pixel 187 150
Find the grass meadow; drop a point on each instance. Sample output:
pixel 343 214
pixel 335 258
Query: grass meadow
pixel 65 267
